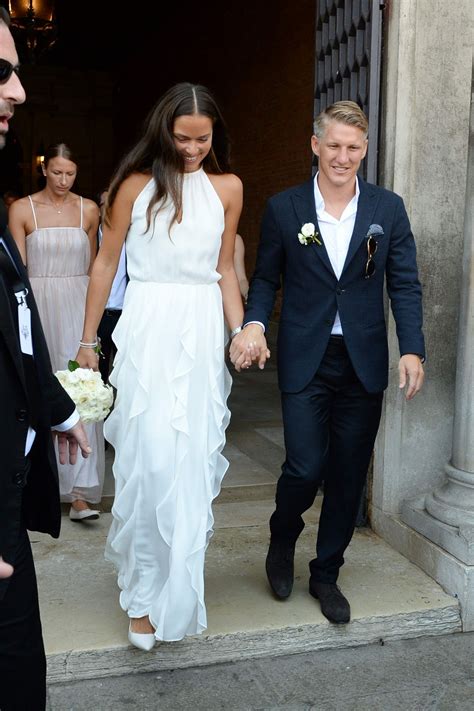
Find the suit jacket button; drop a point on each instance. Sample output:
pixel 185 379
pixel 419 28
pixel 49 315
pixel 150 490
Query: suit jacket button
pixel 19 479
pixel 21 415
pixel 339 291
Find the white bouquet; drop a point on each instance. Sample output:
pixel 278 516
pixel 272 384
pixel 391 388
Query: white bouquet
pixel 92 397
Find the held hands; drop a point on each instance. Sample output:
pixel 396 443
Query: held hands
pixel 411 374
pixel 249 346
pixel 70 441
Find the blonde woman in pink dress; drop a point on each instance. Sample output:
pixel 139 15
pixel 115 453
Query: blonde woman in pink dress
pixel 56 231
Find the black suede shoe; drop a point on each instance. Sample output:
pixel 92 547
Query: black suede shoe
pixel 334 605
pixel 280 567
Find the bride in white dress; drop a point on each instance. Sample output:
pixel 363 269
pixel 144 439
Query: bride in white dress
pixel 177 206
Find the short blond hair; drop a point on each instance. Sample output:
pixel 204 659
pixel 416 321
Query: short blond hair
pixel 347 112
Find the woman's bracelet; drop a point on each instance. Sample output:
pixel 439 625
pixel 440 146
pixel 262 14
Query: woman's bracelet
pixel 88 345
pixel 235 331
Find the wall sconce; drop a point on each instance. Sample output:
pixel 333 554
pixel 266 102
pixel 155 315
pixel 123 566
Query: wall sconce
pixel 33 26
pixel 40 158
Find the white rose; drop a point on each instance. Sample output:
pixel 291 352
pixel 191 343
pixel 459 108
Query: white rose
pixel 92 398
pixel 60 376
pixel 301 238
pixel 308 229
pixel 86 375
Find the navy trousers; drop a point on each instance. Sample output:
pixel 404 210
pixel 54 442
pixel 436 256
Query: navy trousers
pixel 330 429
pixel 22 657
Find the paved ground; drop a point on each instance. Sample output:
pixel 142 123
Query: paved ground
pixel 407 675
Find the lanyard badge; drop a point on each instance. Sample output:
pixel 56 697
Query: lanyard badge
pixel 24 322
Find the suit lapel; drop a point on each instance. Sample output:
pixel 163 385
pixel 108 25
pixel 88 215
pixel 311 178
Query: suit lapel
pixel 368 200
pixel 15 254
pixel 7 326
pixel 8 331
pixel 305 208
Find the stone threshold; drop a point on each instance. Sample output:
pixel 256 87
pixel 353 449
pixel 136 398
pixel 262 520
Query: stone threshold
pixel 85 630
pixel 216 649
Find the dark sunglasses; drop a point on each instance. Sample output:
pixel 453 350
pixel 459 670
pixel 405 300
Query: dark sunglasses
pixel 371 249
pixel 6 70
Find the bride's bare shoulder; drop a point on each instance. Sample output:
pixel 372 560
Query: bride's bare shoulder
pixel 133 185
pixel 228 181
pixel 229 188
pixel 127 192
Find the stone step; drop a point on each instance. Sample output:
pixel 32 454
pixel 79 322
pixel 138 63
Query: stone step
pixel 254 457
pixel 228 494
pixel 86 631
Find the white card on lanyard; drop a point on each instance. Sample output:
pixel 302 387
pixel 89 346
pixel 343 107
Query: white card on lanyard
pixel 24 323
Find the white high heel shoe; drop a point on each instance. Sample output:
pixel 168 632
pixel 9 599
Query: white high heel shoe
pixel 146 642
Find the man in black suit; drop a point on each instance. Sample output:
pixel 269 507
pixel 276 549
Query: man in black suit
pixel 32 403
pixel 332 241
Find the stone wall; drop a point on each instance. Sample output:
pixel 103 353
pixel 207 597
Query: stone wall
pixel 425 136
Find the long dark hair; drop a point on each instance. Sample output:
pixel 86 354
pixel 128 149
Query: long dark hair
pixel 156 153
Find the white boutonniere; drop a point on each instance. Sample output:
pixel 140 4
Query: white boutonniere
pixel 308 235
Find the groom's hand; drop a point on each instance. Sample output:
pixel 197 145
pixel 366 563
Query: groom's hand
pixel 411 374
pixel 248 346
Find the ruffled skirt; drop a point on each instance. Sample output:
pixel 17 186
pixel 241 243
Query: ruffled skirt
pixel 167 429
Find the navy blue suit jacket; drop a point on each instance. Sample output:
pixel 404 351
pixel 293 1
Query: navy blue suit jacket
pixel 312 294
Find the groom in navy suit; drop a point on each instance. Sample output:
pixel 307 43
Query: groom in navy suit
pixel 331 243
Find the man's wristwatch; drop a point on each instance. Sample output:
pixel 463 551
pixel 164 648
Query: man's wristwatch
pixel 235 331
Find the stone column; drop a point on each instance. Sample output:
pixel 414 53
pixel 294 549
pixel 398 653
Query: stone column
pixel 446 515
pixel 424 157
pixel 453 502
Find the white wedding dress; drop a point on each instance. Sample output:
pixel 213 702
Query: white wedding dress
pixel 170 415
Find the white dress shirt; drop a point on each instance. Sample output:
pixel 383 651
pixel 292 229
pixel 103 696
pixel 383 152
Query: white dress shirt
pixel 119 284
pixel 336 235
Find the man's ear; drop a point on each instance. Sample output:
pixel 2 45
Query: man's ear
pixel 315 145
